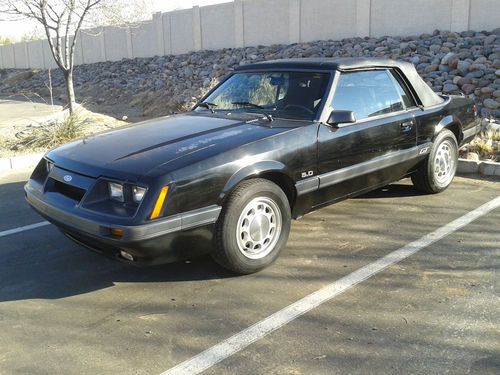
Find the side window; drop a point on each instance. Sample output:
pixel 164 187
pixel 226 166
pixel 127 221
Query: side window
pixel 367 94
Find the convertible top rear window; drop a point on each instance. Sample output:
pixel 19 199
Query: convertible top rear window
pixel 292 95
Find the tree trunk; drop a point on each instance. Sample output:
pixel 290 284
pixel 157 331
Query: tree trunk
pixel 70 91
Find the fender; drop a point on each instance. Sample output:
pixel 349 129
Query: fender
pixel 448 122
pixel 253 170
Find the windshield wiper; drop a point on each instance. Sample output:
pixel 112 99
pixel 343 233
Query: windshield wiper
pixel 248 104
pixel 269 117
pixel 208 106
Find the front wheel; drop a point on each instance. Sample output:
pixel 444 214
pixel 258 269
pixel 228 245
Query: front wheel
pixel 253 227
pixel 438 170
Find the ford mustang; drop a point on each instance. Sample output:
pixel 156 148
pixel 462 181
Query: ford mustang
pixel 273 141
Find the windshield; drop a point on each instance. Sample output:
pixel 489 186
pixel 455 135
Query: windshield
pixel 293 95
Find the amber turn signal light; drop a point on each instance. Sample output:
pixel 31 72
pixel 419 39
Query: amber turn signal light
pixel 117 232
pixel 159 203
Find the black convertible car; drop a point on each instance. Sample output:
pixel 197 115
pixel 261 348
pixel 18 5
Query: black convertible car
pixel 273 141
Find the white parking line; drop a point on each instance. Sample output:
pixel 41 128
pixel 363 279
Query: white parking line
pixel 22 229
pixel 241 340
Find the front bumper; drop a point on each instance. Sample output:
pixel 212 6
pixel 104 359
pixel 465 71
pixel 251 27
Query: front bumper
pixel 165 240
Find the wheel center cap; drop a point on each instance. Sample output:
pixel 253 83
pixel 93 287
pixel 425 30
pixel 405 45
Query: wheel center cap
pixel 259 227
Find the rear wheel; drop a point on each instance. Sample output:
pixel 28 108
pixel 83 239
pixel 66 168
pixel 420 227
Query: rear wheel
pixel 438 170
pixel 253 227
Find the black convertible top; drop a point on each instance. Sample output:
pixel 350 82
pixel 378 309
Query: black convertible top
pixel 422 90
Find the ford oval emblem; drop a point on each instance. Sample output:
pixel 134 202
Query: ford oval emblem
pixel 67 178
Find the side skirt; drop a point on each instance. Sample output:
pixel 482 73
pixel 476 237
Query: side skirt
pixel 328 188
pixel 340 175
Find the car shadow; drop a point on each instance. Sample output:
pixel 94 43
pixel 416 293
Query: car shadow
pixel 65 270
pixel 43 263
pixel 396 190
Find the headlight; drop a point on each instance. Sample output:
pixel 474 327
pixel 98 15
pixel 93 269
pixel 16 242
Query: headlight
pixel 116 191
pixel 138 194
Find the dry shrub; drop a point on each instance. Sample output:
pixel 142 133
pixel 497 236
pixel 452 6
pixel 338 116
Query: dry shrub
pixel 54 133
pixel 4 144
pixel 486 145
pixel 492 135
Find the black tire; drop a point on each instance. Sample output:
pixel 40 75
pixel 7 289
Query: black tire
pixel 229 252
pixel 426 178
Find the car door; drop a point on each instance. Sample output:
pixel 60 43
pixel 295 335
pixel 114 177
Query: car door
pixel 376 149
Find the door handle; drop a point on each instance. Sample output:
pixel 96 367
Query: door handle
pixel 406 126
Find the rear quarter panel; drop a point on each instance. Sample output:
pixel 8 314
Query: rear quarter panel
pixel 456 113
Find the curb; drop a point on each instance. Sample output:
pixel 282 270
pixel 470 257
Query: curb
pixel 19 162
pixel 483 168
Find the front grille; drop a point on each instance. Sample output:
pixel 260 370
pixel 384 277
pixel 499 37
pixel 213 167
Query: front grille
pixel 72 192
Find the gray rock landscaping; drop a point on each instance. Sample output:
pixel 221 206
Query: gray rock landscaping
pixel 450 62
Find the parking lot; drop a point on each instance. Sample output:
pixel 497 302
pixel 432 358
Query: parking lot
pixel 66 310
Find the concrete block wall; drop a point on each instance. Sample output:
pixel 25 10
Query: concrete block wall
pixel 389 17
pixel 8 58
pixel 182 31
pixel 93 45
pixel 78 51
pixel 116 43
pixel 48 59
pixel 335 19
pixel 484 14
pixel 265 22
pixel 220 20
pixel 243 23
pixel 36 53
pixel 144 40
pixel 21 55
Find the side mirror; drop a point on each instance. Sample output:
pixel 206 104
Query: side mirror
pixel 341 117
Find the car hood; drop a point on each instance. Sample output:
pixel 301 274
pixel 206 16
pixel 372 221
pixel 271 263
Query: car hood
pixel 131 152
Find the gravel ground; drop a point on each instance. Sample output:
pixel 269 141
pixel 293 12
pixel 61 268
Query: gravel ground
pixel 450 62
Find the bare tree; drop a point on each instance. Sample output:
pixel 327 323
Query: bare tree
pixel 62 21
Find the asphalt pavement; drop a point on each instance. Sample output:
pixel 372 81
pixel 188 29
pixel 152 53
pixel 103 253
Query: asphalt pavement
pixel 66 310
pixel 20 111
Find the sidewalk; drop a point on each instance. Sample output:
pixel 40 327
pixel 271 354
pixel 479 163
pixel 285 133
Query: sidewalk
pixel 19 111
